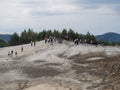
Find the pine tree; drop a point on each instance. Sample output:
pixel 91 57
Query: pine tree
pixel 14 40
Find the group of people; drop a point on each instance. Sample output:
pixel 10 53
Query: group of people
pixel 33 43
pixel 77 41
pixel 50 40
pixel 11 53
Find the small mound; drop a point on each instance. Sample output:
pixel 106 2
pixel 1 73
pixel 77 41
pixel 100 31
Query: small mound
pixel 95 58
pixel 47 87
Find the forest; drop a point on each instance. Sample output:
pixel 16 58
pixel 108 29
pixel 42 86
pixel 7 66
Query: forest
pixel 29 35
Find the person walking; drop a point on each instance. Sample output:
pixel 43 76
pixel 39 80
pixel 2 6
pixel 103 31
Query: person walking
pixel 16 53
pixel 21 48
pixel 46 40
pixel 34 43
pixel 11 52
pixel 31 43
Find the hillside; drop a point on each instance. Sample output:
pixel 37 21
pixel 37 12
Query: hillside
pixel 110 37
pixel 62 66
pixel 5 37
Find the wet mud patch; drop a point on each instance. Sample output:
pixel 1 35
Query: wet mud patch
pixel 109 71
pixel 85 58
pixel 3 69
pixel 52 64
pixel 104 73
pixel 39 61
pixel 82 69
pixel 36 72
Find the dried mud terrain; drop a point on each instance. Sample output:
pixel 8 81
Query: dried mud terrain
pixel 60 67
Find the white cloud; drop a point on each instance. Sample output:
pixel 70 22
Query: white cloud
pixel 49 7
pixel 40 14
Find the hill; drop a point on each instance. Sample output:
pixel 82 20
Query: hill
pixel 62 66
pixel 110 37
pixel 5 37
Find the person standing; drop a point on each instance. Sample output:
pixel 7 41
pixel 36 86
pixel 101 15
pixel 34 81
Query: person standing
pixel 31 43
pixel 11 52
pixel 46 40
pixel 21 48
pixel 16 53
pixel 34 43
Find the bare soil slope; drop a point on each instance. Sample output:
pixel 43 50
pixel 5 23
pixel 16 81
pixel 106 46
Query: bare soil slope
pixel 60 67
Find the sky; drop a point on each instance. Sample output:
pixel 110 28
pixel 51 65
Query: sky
pixel 94 16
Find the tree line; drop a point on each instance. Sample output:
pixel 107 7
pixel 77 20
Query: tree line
pixel 106 43
pixel 29 35
pixel 3 43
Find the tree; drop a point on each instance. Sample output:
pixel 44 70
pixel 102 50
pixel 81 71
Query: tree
pixel 56 34
pixel 29 35
pixel 24 38
pixel 103 42
pixel 77 35
pixel 64 34
pixel 115 43
pixel 14 40
pixel 3 43
pixel 34 36
pixel 71 34
pixel 39 36
pixel 81 36
pixel 88 37
pixel 92 37
pixel 44 34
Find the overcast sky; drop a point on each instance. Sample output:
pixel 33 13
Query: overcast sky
pixel 95 16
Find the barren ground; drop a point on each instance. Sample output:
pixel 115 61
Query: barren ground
pixel 60 67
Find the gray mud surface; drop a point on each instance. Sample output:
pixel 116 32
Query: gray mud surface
pixel 78 72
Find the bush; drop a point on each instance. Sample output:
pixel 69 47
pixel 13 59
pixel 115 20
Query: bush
pixel 3 43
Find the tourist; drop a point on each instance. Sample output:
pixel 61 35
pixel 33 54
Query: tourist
pixel 45 40
pixel 15 53
pixel 21 48
pixel 34 43
pixel 76 41
pixel 31 43
pixel 11 52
